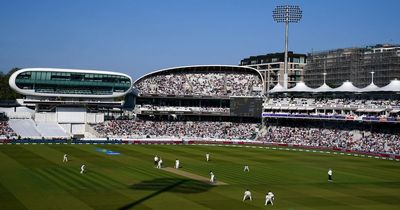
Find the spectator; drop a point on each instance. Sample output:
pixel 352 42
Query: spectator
pixel 204 84
pixel 192 129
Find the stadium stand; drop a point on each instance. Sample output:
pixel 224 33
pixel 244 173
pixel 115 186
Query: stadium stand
pixel 26 128
pixel 5 130
pixel 378 110
pixel 168 129
pixel 355 140
pixel 203 103
pixel 51 130
pixel 204 84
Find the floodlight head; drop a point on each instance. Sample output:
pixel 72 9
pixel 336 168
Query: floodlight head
pixel 287 14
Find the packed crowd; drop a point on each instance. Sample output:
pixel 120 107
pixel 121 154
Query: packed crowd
pixel 382 110
pixel 345 115
pixel 188 129
pixel 210 84
pixel 339 102
pixel 6 130
pixel 183 109
pixel 357 140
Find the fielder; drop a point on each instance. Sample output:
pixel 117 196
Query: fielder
pixel 177 164
pixel 159 164
pixel 269 198
pixel 212 177
pixel 247 195
pixel 83 168
pixel 155 161
pixel 207 157
pixel 65 159
pixel 330 172
pixel 246 168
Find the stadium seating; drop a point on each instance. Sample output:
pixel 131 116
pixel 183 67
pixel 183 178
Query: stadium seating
pixel 338 137
pixel 6 130
pixel 210 84
pixel 25 128
pixel 51 130
pixel 168 129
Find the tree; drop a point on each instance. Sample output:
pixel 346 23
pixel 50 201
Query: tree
pixel 6 93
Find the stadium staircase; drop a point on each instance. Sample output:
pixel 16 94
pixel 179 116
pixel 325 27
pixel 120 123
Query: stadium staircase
pixel 261 132
pixel 90 132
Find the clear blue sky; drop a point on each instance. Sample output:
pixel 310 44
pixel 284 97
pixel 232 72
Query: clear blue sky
pixel 140 36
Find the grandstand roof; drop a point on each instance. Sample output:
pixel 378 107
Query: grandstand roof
pixel 394 85
pixel 370 88
pixel 300 87
pixel 346 87
pixel 278 88
pixel 323 88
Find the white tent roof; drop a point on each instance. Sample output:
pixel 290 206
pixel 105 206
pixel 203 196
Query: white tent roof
pixel 394 85
pixel 323 88
pixel 346 87
pixel 300 87
pixel 278 88
pixel 370 88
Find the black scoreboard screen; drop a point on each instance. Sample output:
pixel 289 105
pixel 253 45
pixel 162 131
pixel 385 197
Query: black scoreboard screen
pixel 246 106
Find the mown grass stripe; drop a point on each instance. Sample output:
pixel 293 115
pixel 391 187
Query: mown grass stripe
pixel 106 179
pixel 77 180
pixel 84 179
pixel 50 178
pixel 61 178
pixel 8 200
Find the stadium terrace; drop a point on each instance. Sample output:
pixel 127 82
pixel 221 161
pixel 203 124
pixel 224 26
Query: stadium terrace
pixel 202 102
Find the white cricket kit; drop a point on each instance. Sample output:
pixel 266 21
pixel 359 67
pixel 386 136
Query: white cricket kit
pixel 330 175
pixel 269 198
pixel 83 169
pixel 177 164
pixel 212 178
pixel 65 158
pixel 156 159
pixel 159 163
pixel 207 157
pixel 246 168
pixel 247 195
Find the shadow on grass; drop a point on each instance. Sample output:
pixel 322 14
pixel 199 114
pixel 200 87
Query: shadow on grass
pixel 174 185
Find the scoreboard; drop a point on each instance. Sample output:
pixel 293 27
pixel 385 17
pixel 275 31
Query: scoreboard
pixel 246 106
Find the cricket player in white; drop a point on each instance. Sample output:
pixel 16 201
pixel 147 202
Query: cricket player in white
pixel 207 157
pixel 159 163
pixel 247 195
pixel 269 198
pixel 65 159
pixel 246 168
pixel 83 168
pixel 155 161
pixel 212 177
pixel 177 164
pixel 330 172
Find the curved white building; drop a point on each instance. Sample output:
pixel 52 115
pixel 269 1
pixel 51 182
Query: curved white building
pixel 70 83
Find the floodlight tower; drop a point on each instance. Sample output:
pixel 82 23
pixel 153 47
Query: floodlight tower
pixel 287 14
pixel 372 78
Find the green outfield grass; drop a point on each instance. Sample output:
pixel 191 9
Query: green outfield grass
pixel 34 177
